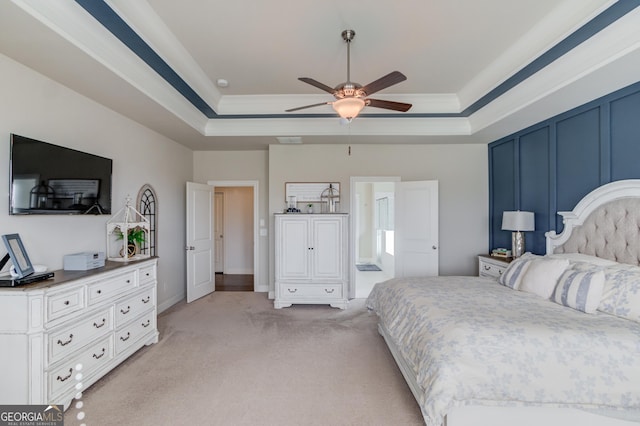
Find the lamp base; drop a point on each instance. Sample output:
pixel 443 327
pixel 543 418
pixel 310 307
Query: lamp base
pixel 517 244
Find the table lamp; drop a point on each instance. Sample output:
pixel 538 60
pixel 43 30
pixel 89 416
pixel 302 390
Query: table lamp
pixel 517 222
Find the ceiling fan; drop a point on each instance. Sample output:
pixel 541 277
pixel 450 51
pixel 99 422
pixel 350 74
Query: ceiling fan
pixel 351 97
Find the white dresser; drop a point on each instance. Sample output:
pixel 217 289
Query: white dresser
pixel 95 319
pixel 311 259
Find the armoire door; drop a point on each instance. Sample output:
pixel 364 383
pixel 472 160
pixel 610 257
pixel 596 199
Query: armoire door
pixel 327 251
pixel 294 246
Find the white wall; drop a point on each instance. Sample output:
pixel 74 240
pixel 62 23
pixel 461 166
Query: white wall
pixel 461 170
pixel 35 106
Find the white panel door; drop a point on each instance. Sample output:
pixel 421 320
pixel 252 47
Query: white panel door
pixel 326 248
pixel 416 229
pixel 200 250
pixel 218 231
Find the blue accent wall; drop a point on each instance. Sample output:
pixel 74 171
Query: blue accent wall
pixel 550 166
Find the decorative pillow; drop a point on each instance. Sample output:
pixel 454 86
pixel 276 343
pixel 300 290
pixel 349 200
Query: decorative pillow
pixel 542 276
pixel 580 290
pixel 515 271
pixel 621 295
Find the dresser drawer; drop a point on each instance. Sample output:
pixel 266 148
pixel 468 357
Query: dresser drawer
pixel 133 332
pixel 302 291
pixel 147 275
pixel 63 377
pixel 104 290
pixel 64 303
pixel 134 306
pixel 64 342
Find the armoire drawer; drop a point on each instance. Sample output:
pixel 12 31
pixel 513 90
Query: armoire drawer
pixel 65 341
pixel 134 306
pixel 301 291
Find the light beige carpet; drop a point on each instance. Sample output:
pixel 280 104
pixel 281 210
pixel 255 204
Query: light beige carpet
pixel 230 358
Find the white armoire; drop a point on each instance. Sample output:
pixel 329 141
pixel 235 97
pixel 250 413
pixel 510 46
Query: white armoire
pixel 311 259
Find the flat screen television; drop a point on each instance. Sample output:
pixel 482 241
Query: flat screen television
pixel 51 179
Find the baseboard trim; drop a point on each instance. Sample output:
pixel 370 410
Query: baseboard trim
pixel 169 303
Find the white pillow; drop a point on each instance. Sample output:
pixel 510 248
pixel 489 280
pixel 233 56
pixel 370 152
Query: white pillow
pixel 580 290
pixel 512 276
pixel 542 276
pixel 582 258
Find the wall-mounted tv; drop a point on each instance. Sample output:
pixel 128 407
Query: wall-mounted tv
pixel 51 179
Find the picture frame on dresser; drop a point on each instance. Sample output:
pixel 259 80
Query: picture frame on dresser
pixel 18 255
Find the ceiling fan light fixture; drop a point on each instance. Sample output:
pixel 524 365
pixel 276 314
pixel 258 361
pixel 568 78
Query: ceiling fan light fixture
pixel 348 108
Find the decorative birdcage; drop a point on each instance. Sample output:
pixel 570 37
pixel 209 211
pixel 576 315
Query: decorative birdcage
pixel 330 198
pixel 127 232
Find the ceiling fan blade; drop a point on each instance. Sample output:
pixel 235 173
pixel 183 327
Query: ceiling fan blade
pixel 317 84
pixel 307 106
pixel 390 79
pixel 396 106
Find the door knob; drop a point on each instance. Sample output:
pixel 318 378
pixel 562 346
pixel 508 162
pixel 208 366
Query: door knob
pixel 434 247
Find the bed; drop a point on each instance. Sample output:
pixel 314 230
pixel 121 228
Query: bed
pixel 554 341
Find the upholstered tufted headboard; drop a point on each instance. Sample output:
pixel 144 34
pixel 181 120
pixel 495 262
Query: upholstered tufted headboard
pixel 605 223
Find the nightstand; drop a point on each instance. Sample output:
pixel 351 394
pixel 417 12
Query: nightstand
pixel 492 266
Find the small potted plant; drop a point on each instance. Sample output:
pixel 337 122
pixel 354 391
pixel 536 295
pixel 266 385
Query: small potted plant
pixel 309 208
pixel 135 239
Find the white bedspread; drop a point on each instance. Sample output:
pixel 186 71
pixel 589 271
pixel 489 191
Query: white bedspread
pixel 470 340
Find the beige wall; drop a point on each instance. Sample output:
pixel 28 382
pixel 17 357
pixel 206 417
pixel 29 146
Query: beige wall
pixel 240 166
pixel 461 171
pixel 37 107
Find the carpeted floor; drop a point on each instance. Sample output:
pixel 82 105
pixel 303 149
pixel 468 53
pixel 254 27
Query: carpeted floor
pixel 230 358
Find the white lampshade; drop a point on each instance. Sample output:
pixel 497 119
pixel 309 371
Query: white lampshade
pixel 518 221
pixel 348 107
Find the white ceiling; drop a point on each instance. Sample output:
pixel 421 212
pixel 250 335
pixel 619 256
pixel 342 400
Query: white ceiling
pixel 453 53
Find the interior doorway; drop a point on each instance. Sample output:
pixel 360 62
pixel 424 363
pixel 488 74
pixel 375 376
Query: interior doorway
pixel 235 235
pixel 394 231
pixel 372 232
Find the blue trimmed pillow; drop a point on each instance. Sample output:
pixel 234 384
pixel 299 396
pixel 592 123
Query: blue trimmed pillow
pixel 512 276
pixel 580 290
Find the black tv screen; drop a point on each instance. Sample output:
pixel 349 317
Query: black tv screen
pixel 51 179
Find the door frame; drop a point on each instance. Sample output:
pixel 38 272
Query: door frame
pixel 256 221
pixel 353 180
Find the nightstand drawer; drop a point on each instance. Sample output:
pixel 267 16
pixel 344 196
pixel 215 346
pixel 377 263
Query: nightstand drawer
pixel 492 267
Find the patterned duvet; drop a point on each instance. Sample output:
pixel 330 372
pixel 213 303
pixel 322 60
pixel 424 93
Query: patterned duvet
pixel 470 340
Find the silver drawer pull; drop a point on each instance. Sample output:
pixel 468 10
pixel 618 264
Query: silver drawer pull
pixel 125 312
pixel 62 379
pixel 292 290
pixel 147 300
pixel 124 339
pixel 146 324
pixel 61 343
pixel 329 290
pixel 104 321
pixel 101 355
